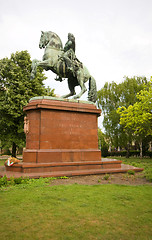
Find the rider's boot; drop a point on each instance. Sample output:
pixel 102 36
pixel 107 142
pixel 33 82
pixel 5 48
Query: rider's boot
pixel 69 64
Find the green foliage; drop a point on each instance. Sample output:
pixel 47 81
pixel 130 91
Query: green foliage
pixel 104 151
pixel 132 153
pixel 101 138
pixel 110 98
pixel 18 180
pixel 16 88
pixel 148 175
pixel 131 172
pixel 106 176
pixel 2 161
pixel 102 144
pixel 3 181
pixel 137 118
pixel 117 153
pixel 145 163
pixel 6 151
pixel 11 181
pixel 64 177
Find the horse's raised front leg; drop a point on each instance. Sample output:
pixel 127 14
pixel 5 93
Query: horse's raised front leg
pixel 35 63
pixel 34 68
pixel 45 64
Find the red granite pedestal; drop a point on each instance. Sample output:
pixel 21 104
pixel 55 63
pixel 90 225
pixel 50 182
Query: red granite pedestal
pixel 62 140
pixel 61 132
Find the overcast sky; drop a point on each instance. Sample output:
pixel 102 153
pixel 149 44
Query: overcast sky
pixel 113 37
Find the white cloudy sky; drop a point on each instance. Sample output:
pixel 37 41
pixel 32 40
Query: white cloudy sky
pixel 113 37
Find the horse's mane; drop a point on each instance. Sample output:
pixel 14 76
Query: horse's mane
pixel 55 40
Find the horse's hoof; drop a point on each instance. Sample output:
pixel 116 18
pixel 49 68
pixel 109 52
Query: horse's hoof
pixel 75 97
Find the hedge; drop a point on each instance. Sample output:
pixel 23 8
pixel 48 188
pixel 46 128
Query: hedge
pixel 132 153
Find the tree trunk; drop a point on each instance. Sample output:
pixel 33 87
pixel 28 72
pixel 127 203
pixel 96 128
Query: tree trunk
pixel 141 152
pixel 128 151
pixel 14 150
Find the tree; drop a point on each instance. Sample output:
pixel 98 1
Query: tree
pixel 16 88
pixel 137 118
pixel 102 143
pixel 110 98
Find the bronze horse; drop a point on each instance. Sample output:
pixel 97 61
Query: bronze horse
pixel 52 60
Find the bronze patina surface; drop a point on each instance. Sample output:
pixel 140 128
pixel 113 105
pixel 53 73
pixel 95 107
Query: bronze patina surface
pixel 65 64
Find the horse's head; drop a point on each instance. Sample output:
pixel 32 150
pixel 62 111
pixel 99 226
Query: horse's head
pixel 51 39
pixel 43 40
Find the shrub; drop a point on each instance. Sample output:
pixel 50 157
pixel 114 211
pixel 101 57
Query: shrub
pixel 148 175
pixel 25 180
pixel 118 153
pixel 18 180
pixel 132 153
pixel 106 176
pixel 131 172
pixel 148 154
pixel 3 181
pixel 6 152
pixel 11 181
pixel 104 151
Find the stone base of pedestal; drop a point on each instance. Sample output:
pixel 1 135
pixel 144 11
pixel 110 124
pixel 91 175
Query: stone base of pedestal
pixel 36 170
pixel 60 155
pixel 61 140
pixel 66 166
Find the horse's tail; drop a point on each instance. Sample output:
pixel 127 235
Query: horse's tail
pixel 92 94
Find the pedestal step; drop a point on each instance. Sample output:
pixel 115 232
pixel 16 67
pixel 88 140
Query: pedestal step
pixel 66 166
pixel 124 168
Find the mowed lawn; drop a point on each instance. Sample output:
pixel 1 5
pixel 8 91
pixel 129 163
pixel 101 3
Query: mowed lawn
pixel 145 163
pixel 39 211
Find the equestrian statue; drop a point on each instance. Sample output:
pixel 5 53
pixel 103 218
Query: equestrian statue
pixel 64 63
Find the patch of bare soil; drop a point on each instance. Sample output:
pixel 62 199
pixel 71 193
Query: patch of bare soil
pixel 117 178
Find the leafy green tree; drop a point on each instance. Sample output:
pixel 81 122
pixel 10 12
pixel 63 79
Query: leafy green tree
pixel 16 88
pixel 102 143
pixel 137 118
pixel 113 96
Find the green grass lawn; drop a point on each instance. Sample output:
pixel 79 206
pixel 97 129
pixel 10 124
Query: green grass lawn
pixel 73 212
pixel 2 162
pixel 145 163
pixel 38 211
